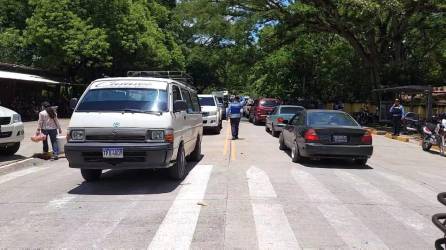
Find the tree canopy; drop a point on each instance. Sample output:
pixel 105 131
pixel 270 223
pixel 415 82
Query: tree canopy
pixel 321 49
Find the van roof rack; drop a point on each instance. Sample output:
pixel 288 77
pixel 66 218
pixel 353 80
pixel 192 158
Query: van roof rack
pixel 179 76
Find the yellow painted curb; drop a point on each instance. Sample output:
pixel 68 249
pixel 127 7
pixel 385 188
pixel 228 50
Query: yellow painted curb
pixel 390 136
pixel 402 138
pixel 379 132
pixel 399 138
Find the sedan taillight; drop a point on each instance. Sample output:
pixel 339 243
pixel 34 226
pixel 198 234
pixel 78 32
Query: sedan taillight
pixel 311 136
pixel 280 120
pixel 367 138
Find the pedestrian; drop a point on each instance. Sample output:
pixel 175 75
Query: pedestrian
pixel 49 125
pixel 397 111
pixel 338 105
pixel 235 113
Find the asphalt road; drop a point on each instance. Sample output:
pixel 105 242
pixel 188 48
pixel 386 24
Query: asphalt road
pixel 28 148
pixel 244 194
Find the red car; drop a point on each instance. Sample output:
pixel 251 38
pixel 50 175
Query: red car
pixel 261 109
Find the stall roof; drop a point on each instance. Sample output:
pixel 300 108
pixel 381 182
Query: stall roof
pixel 25 77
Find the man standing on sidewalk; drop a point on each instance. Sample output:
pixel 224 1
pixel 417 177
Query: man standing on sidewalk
pixel 397 111
pixel 235 114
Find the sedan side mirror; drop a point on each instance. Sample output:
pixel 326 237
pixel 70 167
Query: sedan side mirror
pixel 179 106
pixel 73 103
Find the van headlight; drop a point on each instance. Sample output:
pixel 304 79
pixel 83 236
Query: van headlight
pixel 155 135
pixel 77 135
pixel 160 135
pixel 16 118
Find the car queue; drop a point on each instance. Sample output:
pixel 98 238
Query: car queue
pixel 152 122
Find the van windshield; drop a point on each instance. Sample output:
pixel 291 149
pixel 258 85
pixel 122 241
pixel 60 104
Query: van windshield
pixel 124 100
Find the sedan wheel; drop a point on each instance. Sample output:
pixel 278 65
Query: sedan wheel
pixel 274 132
pixel 295 155
pixel 282 145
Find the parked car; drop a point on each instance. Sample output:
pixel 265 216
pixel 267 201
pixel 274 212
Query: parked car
pixel 326 134
pixel 247 107
pixel 222 107
pixel 261 108
pixel 274 121
pixel 135 123
pixel 12 131
pixel 212 112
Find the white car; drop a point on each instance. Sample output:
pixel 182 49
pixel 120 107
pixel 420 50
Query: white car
pixel 212 113
pixel 135 123
pixel 11 131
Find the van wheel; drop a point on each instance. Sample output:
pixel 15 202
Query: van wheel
pixel 91 174
pixel 196 154
pixel 177 171
pixel 11 150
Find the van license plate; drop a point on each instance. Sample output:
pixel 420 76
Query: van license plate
pixel 113 153
pixel 340 138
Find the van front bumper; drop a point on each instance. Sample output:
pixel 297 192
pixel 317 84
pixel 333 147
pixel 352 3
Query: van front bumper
pixel 88 155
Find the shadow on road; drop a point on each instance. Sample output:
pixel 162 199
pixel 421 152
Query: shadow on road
pixel 330 163
pixel 131 182
pixel 11 158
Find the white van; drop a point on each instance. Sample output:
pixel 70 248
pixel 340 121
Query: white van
pixel 212 116
pixel 11 131
pixel 135 123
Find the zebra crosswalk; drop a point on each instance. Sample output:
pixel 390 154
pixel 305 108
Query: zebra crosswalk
pixel 274 225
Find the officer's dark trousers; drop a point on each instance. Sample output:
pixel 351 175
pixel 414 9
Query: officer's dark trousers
pixel 396 125
pixel 235 123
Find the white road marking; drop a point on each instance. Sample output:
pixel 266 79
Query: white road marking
pixel 61 202
pixel 178 227
pixel 352 230
pixel 432 176
pixel 259 184
pixel 405 216
pixel 412 186
pixel 16 162
pixel 20 173
pixel 272 226
pixel 92 233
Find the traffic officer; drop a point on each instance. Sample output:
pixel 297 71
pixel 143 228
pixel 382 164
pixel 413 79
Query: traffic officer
pixel 235 114
pixel 397 111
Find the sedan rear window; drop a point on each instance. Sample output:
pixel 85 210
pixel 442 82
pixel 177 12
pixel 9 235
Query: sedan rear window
pixel 207 101
pixel 290 110
pixel 269 103
pixel 330 119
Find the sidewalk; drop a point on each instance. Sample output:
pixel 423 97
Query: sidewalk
pixel 28 148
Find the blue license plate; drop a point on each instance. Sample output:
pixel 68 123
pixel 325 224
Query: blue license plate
pixel 113 153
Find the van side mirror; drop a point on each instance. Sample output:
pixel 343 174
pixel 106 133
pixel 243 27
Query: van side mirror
pixel 73 103
pixel 179 106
